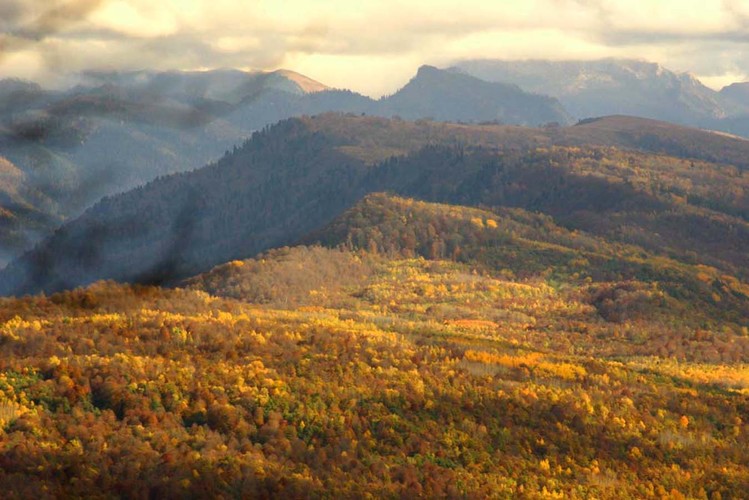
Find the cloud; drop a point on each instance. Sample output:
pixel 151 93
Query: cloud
pixel 25 22
pixel 370 45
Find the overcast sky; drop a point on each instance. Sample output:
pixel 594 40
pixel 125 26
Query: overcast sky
pixel 371 46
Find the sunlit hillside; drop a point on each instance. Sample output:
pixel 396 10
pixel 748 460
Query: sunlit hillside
pixel 429 350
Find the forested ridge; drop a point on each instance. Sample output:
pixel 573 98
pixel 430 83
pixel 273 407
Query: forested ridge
pixel 295 177
pixel 520 244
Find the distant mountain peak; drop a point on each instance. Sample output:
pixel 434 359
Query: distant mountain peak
pixel 427 69
pixel 306 84
pixel 449 95
pixel 737 93
pixel 611 86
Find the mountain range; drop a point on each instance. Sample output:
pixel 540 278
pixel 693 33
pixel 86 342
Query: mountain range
pixel 623 86
pixel 64 150
pixel 116 131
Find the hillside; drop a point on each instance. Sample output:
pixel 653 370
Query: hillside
pixel 22 211
pixel 376 140
pixel 115 131
pixel 256 198
pixel 625 283
pixel 288 277
pixel 411 377
pixel 737 93
pixel 513 242
pixel 661 137
pixel 297 176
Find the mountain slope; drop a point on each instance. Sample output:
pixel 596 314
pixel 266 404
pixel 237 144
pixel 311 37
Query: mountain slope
pixel 621 284
pixel 737 93
pixel 610 86
pixel 660 137
pixel 22 211
pixel 116 131
pixel 298 175
pixel 525 245
pixel 257 198
pixel 449 96
pixel 289 277
pixel 378 139
pixel 437 382
pixel 429 350
pixel 120 130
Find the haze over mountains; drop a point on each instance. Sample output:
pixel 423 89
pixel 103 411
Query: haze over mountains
pixel 116 131
pixel 622 86
pixel 64 150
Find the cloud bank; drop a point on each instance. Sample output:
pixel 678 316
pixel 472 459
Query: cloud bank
pixel 372 46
